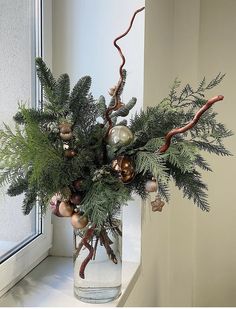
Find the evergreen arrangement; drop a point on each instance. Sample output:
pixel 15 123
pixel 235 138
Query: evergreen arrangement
pixel 80 155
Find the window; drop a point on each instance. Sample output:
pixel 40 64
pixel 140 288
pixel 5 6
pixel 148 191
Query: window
pixel 22 238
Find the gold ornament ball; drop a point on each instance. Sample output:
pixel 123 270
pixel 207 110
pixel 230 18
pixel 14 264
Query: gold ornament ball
pixel 120 135
pixel 65 210
pixel 66 136
pixel 124 166
pixel 151 186
pixel 79 221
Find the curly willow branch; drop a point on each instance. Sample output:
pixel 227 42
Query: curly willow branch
pixel 116 94
pixel 189 125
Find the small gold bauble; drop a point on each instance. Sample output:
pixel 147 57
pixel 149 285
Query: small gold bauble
pixel 66 136
pixel 79 221
pixel 65 209
pixel 124 166
pixel 151 186
pixel 120 135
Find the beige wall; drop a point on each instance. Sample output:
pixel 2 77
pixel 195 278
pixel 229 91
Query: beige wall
pixel 188 255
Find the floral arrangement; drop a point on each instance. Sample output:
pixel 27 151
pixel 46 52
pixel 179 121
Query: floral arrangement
pixel 81 156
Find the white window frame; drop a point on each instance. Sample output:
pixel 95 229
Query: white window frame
pixel 25 259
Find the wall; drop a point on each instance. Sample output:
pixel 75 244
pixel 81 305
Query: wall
pixel 194 251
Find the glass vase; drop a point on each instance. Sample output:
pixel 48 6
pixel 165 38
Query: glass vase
pixel 100 280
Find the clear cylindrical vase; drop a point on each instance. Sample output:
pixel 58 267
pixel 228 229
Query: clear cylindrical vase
pixel 97 272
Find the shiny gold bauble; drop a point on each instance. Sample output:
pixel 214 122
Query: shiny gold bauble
pixel 65 209
pixel 70 153
pixel 151 186
pixel 124 166
pixel 66 136
pixel 65 127
pixel 79 221
pixel 120 135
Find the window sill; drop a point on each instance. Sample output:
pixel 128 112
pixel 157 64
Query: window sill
pixel 51 284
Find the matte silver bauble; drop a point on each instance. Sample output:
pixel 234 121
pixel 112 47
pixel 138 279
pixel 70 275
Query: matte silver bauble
pixel 151 186
pixel 120 135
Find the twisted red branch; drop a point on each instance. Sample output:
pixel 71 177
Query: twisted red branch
pixel 84 241
pixel 190 125
pixel 116 93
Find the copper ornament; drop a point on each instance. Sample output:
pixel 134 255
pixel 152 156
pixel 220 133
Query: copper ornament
pixel 65 209
pixel 124 166
pixel 157 205
pixel 79 221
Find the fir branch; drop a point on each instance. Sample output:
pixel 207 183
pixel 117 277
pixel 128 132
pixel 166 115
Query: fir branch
pixel 148 162
pixel 46 78
pixel 192 186
pixel 212 148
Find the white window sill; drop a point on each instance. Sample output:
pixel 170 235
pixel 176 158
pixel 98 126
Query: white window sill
pixel 50 284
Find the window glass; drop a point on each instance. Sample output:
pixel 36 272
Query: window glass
pixel 17 83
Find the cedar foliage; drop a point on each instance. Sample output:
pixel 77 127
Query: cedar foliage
pixel 33 161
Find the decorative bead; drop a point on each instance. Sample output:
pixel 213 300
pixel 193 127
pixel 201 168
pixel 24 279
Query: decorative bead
pixel 65 209
pixel 120 135
pixel 79 221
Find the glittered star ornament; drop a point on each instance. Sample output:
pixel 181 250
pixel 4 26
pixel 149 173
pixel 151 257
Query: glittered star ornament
pixel 157 204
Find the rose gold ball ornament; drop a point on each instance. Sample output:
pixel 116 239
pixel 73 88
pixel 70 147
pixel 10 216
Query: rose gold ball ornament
pixel 79 221
pixel 120 135
pixel 124 166
pixel 65 209
pixel 151 186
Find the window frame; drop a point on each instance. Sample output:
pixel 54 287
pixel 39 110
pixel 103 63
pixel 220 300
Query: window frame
pixel 27 257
